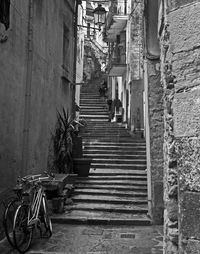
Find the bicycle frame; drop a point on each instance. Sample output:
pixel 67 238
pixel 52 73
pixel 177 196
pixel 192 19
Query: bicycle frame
pixel 36 202
pixel 35 207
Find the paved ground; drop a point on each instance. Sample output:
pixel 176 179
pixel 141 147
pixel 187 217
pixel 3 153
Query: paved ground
pixel 75 239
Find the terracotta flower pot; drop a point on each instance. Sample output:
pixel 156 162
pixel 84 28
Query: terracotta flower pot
pixel 82 166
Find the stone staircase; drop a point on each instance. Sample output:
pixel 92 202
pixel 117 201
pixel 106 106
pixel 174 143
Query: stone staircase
pixel 115 193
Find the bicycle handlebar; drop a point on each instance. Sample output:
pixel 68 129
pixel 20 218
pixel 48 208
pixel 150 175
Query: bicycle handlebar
pixel 36 178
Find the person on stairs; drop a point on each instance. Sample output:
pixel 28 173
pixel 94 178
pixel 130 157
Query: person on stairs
pixel 103 89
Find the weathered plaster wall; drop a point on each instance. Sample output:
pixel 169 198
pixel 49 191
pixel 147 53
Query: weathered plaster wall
pixel 136 107
pixel 48 92
pixel 91 66
pixel 180 76
pixel 155 102
pixel 12 79
pixel 135 41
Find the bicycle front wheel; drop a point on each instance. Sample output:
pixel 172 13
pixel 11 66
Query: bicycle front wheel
pixel 8 219
pixel 22 232
pixel 45 217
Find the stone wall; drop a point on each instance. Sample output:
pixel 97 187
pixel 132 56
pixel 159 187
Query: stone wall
pixel 155 114
pixel 180 77
pixel 31 85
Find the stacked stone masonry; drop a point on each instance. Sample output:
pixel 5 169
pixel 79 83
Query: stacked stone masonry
pixel 180 63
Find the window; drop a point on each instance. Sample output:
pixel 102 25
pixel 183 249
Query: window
pixel 5 13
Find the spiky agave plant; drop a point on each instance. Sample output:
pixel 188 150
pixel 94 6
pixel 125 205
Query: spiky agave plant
pixel 62 138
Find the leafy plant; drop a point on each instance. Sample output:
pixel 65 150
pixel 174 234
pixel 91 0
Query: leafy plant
pixel 62 143
pixel 66 129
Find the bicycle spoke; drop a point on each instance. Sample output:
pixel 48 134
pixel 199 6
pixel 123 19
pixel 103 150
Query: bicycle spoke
pixel 45 217
pixel 21 231
pixel 8 220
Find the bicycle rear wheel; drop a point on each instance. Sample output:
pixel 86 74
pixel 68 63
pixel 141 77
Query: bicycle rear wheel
pixel 8 219
pixel 22 232
pixel 45 217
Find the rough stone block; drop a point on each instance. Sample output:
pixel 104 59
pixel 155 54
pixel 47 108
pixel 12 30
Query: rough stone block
pixel 172 208
pixel 158 205
pixel 192 247
pixel 189 215
pixel 184 27
pixel 186 108
pixel 188 150
pixel 178 3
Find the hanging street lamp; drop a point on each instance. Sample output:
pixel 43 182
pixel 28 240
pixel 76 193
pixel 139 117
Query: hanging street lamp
pixel 99 15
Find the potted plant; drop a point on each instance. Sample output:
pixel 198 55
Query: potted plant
pixel 62 144
pixel 68 155
pixel 81 164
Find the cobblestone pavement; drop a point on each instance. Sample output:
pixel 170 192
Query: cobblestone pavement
pixel 75 239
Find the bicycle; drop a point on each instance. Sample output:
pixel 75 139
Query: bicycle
pixel 31 213
pixel 9 212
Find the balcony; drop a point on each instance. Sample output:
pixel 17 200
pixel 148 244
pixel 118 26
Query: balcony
pixel 118 58
pixel 116 19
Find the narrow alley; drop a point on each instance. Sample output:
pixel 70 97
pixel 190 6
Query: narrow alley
pixel 100 136
pixel 109 213
pixel 115 193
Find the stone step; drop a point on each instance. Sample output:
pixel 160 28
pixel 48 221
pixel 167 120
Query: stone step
pixel 109 137
pixel 109 199
pixel 90 104
pixel 111 169
pixel 108 161
pixel 89 96
pixel 113 193
pixel 102 134
pixel 91 112
pixel 92 101
pixel 97 105
pixel 112 182
pixel 105 127
pixel 127 143
pixel 103 186
pixel 113 156
pixel 95 116
pixel 109 207
pixel 121 166
pixel 101 218
pixel 116 177
pixel 90 152
pixel 94 119
pixel 112 144
pixel 115 131
pixel 116 172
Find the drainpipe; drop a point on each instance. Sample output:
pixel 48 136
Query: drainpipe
pixel 147 134
pixel 28 80
pixel 75 56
